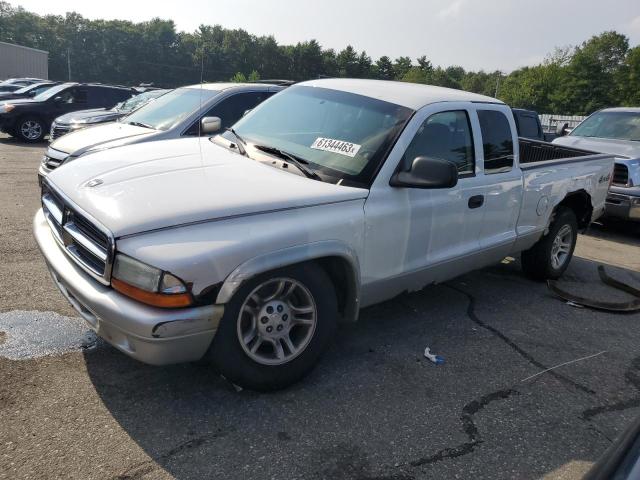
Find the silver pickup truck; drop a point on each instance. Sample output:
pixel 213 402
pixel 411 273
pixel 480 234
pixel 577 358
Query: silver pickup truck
pixel 246 248
pixel 615 131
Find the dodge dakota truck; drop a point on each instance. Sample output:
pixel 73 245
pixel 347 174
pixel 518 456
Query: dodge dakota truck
pixel 246 248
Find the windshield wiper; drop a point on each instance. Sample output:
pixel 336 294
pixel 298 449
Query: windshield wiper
pixel 140 124
pixel 241 149
pixel 298 162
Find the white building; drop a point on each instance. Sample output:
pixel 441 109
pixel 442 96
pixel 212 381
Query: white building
pixel 19 61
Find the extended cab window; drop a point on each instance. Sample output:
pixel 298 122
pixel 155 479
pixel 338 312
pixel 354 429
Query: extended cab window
pixel 497 142
pixel 445 135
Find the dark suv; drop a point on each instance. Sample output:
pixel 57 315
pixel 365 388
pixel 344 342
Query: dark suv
pixel 30 119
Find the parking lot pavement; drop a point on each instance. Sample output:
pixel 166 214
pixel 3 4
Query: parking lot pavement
pixel 373 409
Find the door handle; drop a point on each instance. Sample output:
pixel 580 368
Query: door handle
pixel 476 201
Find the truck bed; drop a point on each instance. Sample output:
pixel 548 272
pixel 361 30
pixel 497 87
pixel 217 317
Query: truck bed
pixel 532 151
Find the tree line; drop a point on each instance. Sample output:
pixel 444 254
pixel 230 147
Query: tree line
pixel 603 71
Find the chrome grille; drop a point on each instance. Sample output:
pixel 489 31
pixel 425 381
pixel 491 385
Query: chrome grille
pixel 620 174
pixel 88 243
pixel 58 130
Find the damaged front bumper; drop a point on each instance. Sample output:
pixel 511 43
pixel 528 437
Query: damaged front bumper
pixel 152 335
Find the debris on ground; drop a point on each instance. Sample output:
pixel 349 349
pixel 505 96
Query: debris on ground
pixel 613 307
pixel 437 359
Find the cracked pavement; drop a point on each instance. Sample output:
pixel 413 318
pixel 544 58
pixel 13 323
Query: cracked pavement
pixel 373 409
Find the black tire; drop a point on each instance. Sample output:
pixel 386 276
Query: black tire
pixel 228 356
pixel 537 262
pixel 21 129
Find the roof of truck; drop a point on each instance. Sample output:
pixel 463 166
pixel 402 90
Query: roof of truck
pixel 411 95
pixel 226 85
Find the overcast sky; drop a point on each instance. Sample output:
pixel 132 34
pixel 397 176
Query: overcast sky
pixel 477 34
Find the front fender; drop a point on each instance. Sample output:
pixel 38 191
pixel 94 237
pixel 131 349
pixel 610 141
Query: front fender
pixel 298 254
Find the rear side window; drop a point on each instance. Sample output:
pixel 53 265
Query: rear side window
pixel 445 135
pixel 231 109
pixel 73 95
pixel 528 126
pixel 497 142
pixel 107 97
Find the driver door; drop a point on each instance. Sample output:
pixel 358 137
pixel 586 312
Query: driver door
pixel 417 236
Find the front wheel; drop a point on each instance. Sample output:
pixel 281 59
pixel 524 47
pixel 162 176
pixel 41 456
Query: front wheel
pixel 30 129
pixel 550 256
pixel 275 328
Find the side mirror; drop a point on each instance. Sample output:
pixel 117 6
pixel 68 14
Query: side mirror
pixel 32 93
pixel 210 124
pixel 427 172
pixel 563 130
pixel 247 111
pixel 57 100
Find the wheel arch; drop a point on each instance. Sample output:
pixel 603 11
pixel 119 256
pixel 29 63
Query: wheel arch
pixel 336 258
pixel 579 202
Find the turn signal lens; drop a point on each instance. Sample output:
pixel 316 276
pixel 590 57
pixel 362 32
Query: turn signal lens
pixel 148 284
pixel 162 300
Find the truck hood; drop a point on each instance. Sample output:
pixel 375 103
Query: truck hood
pixel 76 143
pixel 174 182
pixel 623 148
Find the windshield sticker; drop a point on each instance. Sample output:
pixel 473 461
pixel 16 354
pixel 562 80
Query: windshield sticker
pixel 336 146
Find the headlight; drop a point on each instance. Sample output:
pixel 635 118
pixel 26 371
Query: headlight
pixel 148 284
pixel 6 108
pixel 86 120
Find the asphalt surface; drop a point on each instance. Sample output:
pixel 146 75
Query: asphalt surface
pixel 374 408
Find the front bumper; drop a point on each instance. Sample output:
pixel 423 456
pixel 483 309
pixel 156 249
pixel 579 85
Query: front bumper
pixel 152 335
pixel 623 206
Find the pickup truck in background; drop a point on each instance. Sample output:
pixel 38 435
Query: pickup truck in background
pixel 246 248
pixel 614 131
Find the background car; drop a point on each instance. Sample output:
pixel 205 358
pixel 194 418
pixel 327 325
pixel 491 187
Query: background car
pixel 29 91
pixel 30 119
pixel 86 118
pixel 616 131
pixel 13 84
pixel 179 113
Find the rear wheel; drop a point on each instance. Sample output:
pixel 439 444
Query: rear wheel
pixel 30 129
pixel 275 328
pixel 550 257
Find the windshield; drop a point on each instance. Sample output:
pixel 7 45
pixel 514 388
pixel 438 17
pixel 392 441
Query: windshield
pixel 34 89
pixel 618 125
pixel 342 134
pixel 171 108
pixel 138 100
pixel 50 92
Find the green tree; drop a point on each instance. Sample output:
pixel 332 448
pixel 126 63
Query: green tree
pixel 239 77
pixel 591 76
pixel 401 67
pixel 383 69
